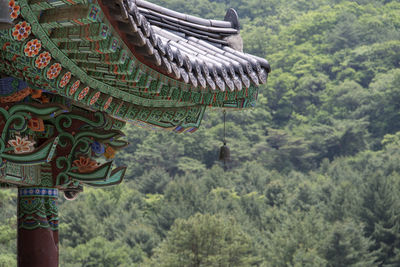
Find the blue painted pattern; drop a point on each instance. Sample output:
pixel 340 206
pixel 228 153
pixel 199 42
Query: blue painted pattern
pixel 10 85
pixel 38 191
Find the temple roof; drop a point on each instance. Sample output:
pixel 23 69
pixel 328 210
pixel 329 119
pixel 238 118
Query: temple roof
pixel 132 59
pixel 201 52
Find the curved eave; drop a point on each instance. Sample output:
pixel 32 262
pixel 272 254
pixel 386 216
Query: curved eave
pixel 114 58
pixel 192 50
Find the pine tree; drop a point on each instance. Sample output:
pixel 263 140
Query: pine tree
pixel 205 240
pixel 345 245
pixel 380 211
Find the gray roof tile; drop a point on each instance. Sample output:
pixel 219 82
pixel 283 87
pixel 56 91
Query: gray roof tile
pixel 191 49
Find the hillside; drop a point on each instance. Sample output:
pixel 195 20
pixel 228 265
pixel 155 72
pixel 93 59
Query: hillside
pixel 314 178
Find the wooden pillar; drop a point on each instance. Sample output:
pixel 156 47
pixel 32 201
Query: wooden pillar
pixel 37 227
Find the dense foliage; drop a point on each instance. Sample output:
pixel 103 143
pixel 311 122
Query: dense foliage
pixel 315 173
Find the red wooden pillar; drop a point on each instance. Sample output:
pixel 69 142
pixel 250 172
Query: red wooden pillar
pixel 37 227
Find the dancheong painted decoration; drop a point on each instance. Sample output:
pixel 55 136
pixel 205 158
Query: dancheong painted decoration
pixel 74 72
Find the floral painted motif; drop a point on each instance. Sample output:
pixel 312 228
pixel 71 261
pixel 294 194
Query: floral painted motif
pixel 114 45
pixel 36 124
pixel 14 9
pixel 108 103
pixel 21 31
pixel 43 60
pixel 32 48
pixel 83 93
pixel 93 13
pixel 104 31
pixel 54 71
pixel 36 94
pixel 97 147
pixel 110 153
pixel 22 145
pixel 74 87
pixel 44 99
pixel 94 98
pixel 65 79
pixel 85 165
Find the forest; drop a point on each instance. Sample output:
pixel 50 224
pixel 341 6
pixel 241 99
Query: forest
pixel 314 176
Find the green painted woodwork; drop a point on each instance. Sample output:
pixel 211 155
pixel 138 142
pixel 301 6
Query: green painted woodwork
pixel 85 45
pixel 126 68
pixel 93 83
pixel 107 46
pixel 101 173
pixel 44 153
pixel 15 121
pixel 37 208
pixel 115 177
pixel 62 152
pixel 38 5
pixel 109 54
pixel 91 32
pixel 21 174
pixel 63 16
pixel 42 34
pixel 7 185
pixel 78 145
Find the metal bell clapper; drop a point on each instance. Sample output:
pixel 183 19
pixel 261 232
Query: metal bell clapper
pixel 224 153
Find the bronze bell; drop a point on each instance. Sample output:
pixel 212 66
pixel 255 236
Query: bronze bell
pixel 5 18
pixel 224 153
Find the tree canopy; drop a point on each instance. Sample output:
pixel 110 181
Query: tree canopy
pixel 314 174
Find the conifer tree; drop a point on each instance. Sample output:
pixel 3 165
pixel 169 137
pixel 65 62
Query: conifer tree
pixel 380 211
pixel 345 245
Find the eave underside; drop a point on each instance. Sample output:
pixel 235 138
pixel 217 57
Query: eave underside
pixel 149 76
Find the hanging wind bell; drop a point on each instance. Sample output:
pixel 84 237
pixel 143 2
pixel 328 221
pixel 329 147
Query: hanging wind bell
pixel 224 152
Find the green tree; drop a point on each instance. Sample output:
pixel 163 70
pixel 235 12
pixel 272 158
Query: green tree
pixel 98 252
pixel 153 181
pixel 346 245
pixel 205 240
pixel 380 213
pixel 295 240
pixel 8 228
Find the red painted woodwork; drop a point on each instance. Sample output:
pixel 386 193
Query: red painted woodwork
pixel 37 248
